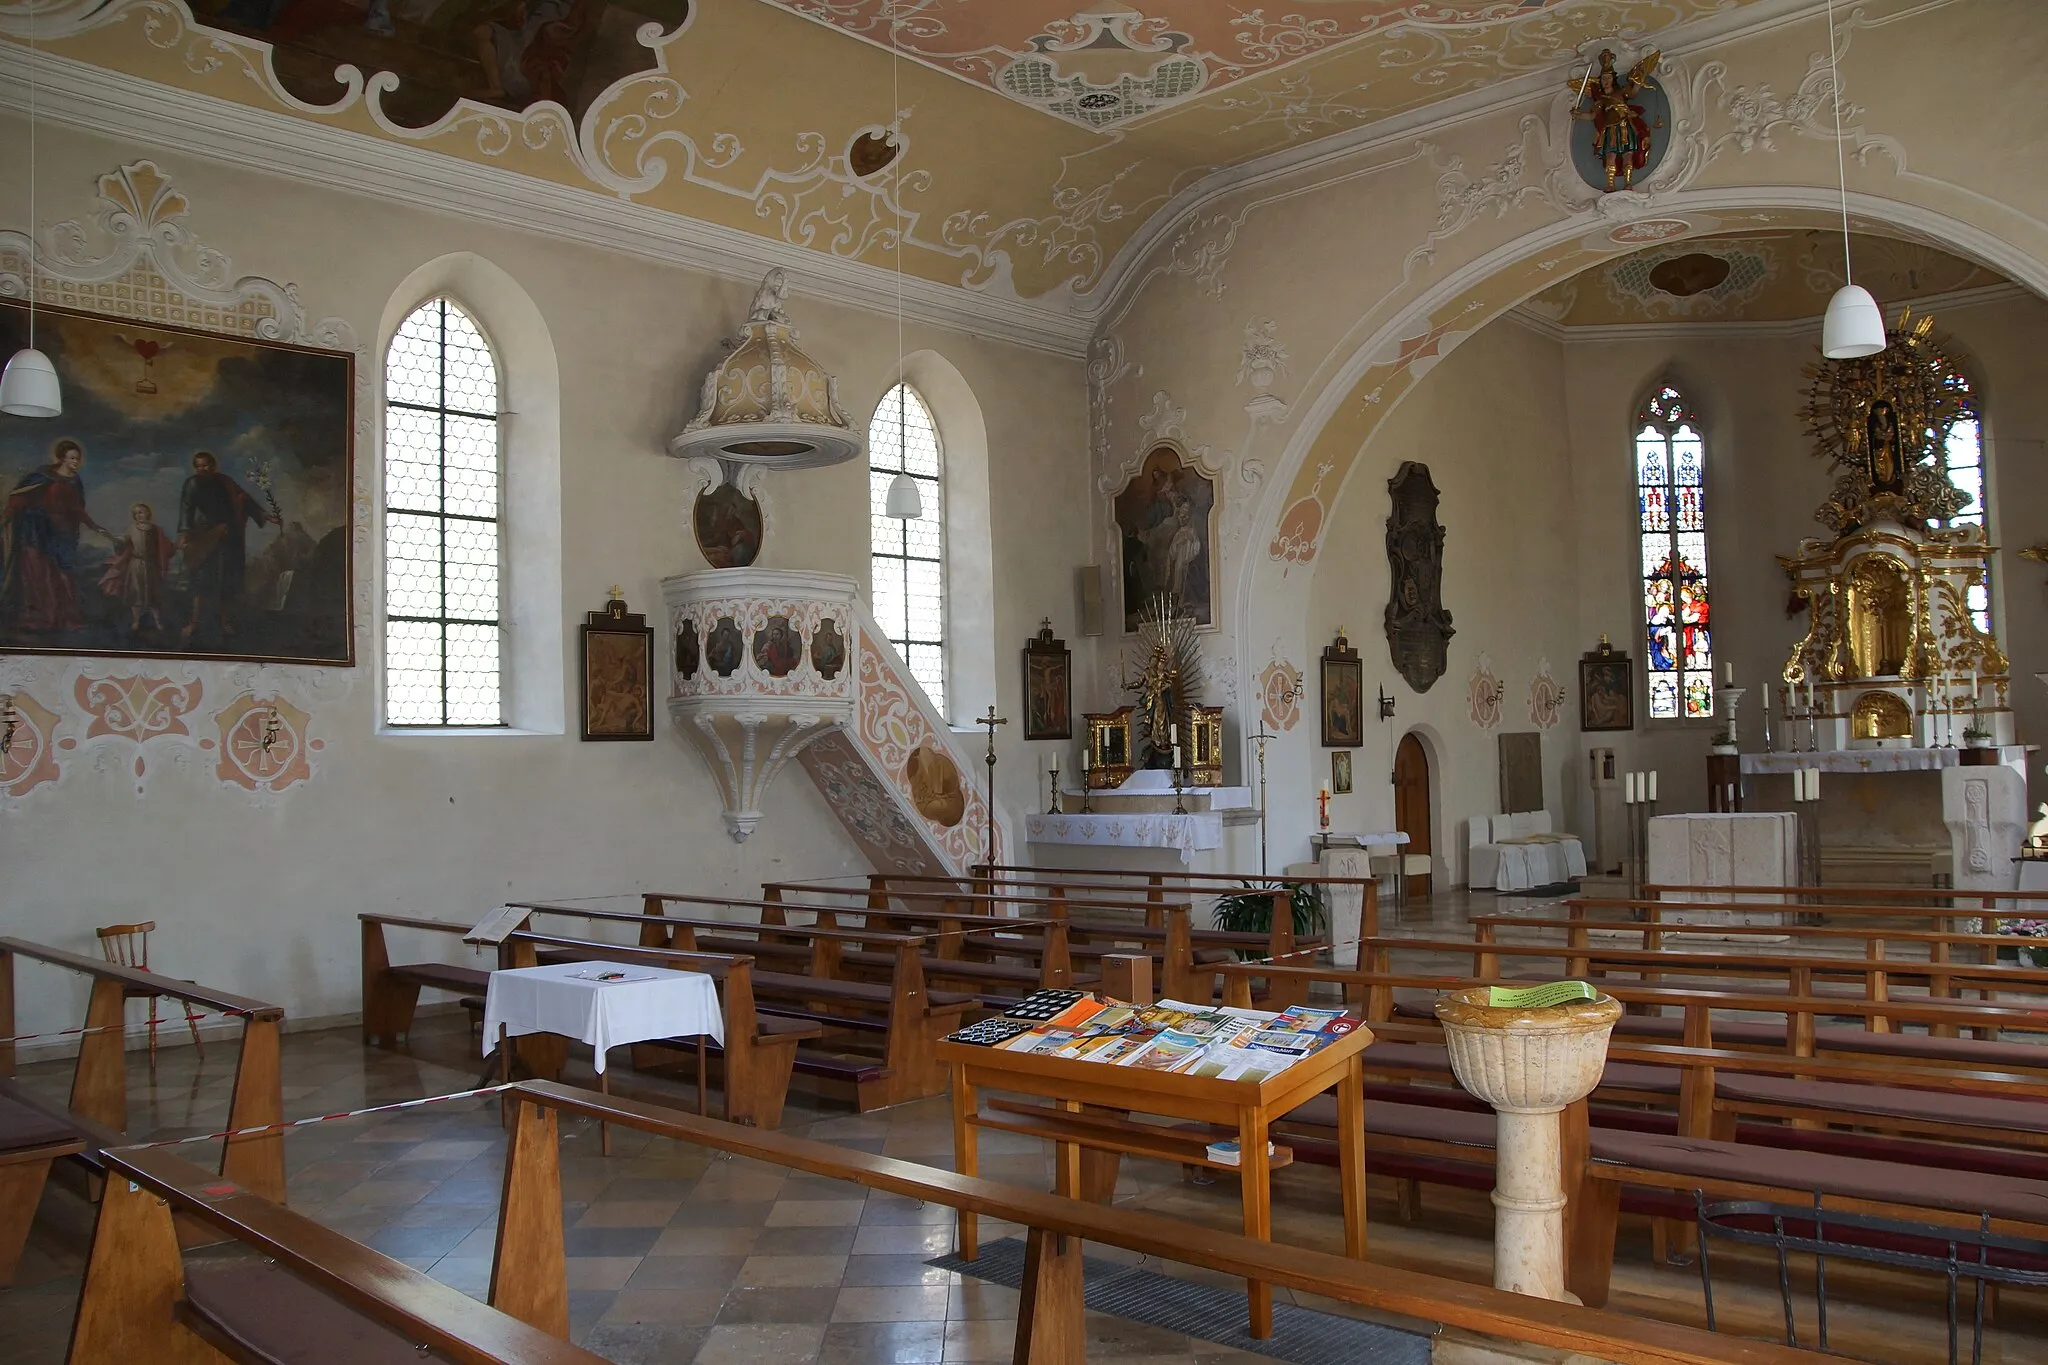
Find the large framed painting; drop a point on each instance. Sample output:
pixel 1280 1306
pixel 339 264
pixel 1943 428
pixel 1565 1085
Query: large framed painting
pixel 618 673
pixel 194 500
pixel 1048 686
pixel 1607 689
pixel 1166 521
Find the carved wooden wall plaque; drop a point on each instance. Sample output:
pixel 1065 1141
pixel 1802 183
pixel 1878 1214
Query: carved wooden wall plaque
pixel 1418 628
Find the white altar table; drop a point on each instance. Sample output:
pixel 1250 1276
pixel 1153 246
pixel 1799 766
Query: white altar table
pixel 1748 848
pixel 1869 760
pixel 1184 834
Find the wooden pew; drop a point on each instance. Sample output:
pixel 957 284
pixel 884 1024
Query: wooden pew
pixel 1050 1326
pixel 1810 896
pixel 31 1141
pixel 316 1298
pixel 98 1105
pixel 1942 915
pixel 903 1015
pixel 391 992
pixel 1697 1149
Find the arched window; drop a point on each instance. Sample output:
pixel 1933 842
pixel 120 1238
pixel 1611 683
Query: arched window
pixel 441 523
pixel 908 557
pixel 1959 453
pixel 1671 458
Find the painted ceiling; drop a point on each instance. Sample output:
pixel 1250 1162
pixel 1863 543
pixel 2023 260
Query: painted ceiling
pixel 1753 277
pixel 1033 137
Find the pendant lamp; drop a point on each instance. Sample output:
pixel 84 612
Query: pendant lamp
pixel 28 387
pixel 1853 327
pixel 905 503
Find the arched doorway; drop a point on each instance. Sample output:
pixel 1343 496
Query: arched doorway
pixel 1412 806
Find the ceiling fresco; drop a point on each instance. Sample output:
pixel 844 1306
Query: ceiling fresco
pixel 764 116
pixel 1783 276
pixel 1109 62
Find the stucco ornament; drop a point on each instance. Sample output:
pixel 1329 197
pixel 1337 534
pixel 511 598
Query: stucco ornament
pixel 1280 695
pixel 1546 698
pixel 1483 693
pixel 29 758
pixel 1264 358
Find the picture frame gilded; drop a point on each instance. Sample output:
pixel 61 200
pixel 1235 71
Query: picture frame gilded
pixel 1340 772
pixel 618 673
pixel 1607 689
pixel 1343 699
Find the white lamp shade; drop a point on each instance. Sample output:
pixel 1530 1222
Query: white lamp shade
pixel 29 386
pixel 1853 326
pixel 905 502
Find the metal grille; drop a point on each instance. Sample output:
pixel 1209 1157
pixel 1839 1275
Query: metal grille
pixel 909 557
pixel 441 479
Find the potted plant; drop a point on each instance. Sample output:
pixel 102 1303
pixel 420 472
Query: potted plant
pixel 1250 911
pixel 1976 736
pixel 1724 742
pixel 2032 950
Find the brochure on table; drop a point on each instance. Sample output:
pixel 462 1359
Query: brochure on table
pixel 1193 1040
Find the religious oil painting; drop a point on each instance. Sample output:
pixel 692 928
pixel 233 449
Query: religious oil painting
pixel 193 501
pixel 1607 690
pixel 1166 518
pixel 727 524
pixel 1048 687
pixel 511 54
pixel 1340 772
pixel 1343 696
pixel 618 674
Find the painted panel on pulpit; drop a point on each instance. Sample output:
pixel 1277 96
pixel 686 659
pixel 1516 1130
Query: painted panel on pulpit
pixel 193 500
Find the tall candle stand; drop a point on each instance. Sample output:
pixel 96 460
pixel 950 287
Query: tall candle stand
pixel 1054 807
pixel 1259 741
pixel 991 721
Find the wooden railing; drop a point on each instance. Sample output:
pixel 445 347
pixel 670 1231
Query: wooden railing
pixel 99 1084
pixel 1050 1329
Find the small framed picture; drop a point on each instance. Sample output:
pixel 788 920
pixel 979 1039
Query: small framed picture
pixel 1607 689
pixel 1343 697
pixel 618 673
pixel 1048 686
pixel 1340 771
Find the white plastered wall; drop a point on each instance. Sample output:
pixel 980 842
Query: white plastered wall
pixel 260 896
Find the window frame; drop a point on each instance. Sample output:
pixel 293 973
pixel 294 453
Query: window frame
pixel 932 488
pixel 1685 416
pixel 1973 412
pixel 497 521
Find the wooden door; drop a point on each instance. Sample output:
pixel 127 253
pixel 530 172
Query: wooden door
pixel 1412 804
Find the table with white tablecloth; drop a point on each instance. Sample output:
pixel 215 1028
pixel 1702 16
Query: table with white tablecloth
pixel 1182 833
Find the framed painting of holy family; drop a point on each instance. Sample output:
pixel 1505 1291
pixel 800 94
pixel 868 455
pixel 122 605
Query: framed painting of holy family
pixel 194 499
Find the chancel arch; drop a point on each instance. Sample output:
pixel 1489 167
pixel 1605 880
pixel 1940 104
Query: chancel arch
pixel 531 657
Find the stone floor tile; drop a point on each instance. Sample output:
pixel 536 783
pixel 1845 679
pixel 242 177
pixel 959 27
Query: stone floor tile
pixel 580 1241
pixel 630 1213
pixel 639 1343
pixel 905 1240
pixel 776 1343
pixel 973 1299
pixel 793 1270
pixel 861 1270
pixel 992 1339
pixel 779 1303
pixel 685 1272
pixel 815 1213
pixel 672 1307
pixel 722 1213
pixel 883 1343
pixel 773 1241
pixel 891 1303
pixel 601 1272
pixel 705 1241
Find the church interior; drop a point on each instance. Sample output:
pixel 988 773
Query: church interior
pixel 638 638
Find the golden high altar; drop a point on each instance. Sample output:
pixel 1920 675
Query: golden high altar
pixel 1896 653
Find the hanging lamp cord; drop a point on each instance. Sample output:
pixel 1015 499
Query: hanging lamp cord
pixel 896 180
pixel 32 112
pixel 1841 156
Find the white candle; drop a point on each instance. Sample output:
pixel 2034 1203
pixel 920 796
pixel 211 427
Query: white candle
pixel 1084 760
pixel 1324 790
pixel 1176 757
pixel 1727 675
pixel 1653 784
pixel 1813 784
pixel 1173 733
pixel 1799 785
pixel 1628 788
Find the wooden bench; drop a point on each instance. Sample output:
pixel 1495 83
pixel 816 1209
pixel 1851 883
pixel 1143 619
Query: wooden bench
pixel 98 1103
pixel 391 992
pixel 306 1295
pixel 30 1142
pixel 1050 1323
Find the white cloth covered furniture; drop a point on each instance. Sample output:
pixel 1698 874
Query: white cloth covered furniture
pixel 1520 852
pixel 1183 833
pixel 568 999
pixel 1724 848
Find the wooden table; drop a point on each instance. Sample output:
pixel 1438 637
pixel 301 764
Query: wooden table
pixel 1088 1121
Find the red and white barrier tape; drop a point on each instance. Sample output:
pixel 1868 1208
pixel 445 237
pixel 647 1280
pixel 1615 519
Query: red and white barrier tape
pixel 160 1022
pixel 317 1118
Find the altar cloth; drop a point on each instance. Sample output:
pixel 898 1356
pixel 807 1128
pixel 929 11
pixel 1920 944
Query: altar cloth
pixel 1185 834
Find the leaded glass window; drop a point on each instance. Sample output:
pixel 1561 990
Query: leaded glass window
pixel 441 529
pixel 909 556
pixel 1671 458
pixel 1959 453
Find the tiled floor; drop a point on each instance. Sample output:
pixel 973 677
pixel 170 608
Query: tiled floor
pixel 680 1256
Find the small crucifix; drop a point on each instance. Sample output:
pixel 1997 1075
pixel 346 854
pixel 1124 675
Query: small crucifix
pixel 991 721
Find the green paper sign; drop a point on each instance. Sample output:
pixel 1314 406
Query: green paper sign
pixel 1540 997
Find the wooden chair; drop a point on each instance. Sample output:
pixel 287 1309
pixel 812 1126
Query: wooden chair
pixel 127 945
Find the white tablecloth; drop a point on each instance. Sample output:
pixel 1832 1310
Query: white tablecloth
pixel 1529 862
pixel 1183 833
pixel 652 1002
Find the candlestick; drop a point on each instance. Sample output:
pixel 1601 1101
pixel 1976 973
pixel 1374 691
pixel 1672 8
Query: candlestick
pixel 1054 808
pixel 1653 784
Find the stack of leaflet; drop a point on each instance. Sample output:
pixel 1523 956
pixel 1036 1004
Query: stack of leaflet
pixel 1194 1040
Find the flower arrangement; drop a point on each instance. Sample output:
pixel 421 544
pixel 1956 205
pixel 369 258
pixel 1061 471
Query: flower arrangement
pixel 2028 954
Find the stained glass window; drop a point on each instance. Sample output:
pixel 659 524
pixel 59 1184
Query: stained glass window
pixel 909 556
pixel 1671 499
pixel 441 480
pixel 1959 453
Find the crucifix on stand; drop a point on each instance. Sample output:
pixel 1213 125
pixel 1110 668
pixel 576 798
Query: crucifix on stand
pixel 1261 739
pixel 991 720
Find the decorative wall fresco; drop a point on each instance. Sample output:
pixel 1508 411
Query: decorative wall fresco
pixel 1546 698
pixel 1280 696
pixel 1483 694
